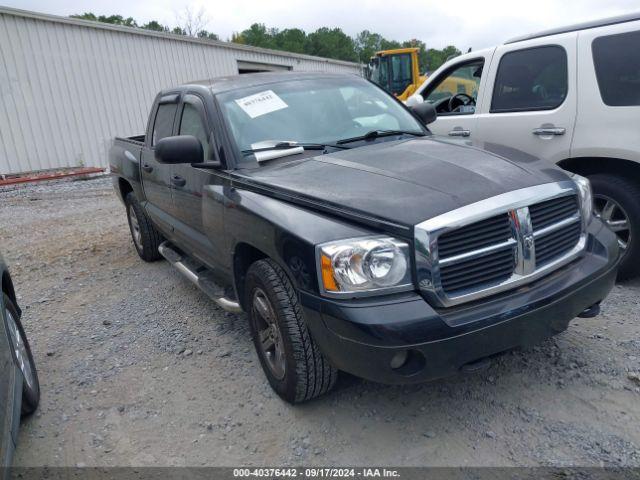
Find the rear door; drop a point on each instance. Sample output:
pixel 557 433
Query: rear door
pixel 156 177
pixel 609 96
pixel 530 102
pixel 463 80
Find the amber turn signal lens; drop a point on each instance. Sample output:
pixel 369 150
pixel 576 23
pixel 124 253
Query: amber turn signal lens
pixel 327 275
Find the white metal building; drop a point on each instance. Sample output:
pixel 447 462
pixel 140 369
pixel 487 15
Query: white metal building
pixel 68 86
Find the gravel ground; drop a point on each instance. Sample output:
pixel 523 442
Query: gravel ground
pixel 139 368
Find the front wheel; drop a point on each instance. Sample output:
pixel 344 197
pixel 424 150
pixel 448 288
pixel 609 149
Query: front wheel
pixel 292 362
pixel 21 352
pixel 616 201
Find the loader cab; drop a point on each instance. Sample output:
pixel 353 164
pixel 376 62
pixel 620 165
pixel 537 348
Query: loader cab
pixel 396 71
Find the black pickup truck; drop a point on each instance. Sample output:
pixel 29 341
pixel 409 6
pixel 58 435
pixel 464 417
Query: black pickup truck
pixel 353 239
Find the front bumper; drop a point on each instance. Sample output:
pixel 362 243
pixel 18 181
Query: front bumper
pixel 363 336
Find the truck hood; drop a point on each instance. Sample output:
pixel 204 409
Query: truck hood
pixel 402 182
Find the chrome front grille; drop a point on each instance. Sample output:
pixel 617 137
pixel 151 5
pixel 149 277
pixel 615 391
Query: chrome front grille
pixel 555 244
pixel 552 211
pixel 493 267
pixel 475 236
pixel 499 243
pixel 483 251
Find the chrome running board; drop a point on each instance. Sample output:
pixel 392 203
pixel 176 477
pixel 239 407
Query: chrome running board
pixel 199 275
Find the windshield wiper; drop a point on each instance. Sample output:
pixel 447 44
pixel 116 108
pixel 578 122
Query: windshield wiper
pixel 379 133
pixel 288 145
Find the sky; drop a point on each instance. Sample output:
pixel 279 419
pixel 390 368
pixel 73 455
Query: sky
pixel 464 23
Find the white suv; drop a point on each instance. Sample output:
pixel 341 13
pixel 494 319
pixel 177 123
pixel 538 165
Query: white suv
pixel 570 95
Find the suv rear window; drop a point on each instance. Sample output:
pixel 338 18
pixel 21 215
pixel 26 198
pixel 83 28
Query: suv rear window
pixel 617 63
pixel 531 79
pixel 163 125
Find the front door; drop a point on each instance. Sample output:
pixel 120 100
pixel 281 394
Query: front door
pixel 531 102
pixel 197 192
pixel 156 176
pixel 455 95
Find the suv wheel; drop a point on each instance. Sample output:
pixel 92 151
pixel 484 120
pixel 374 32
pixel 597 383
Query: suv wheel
pixel 292 362
pixel 23 358
pixel 617 203
pixel 146 238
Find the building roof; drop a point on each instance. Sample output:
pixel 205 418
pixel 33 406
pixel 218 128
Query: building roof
pixel 578 26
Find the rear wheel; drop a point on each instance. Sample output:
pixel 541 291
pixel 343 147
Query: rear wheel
pixel 292 362
pixel 146 238
pixel 23 358
pixel 616 201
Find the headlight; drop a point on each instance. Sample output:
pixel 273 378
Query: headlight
pixel 372 264
pixel 586 197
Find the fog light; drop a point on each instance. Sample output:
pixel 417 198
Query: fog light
pixel 399 359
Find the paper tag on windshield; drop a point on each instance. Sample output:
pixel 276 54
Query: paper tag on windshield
pixel 261 103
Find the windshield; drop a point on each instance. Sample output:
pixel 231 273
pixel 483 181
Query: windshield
pixel 321 111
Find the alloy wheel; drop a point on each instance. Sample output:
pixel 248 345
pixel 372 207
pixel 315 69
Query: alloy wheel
pixel 269 335
pixel 614 216
pixel 20 351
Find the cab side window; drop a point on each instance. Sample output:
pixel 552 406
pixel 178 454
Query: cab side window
pixel 531 79
pixel 191 123
pixel 617 63
pixel 163 124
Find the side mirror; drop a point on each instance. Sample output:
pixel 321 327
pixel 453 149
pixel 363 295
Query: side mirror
pixel 425 112
pixel 179 149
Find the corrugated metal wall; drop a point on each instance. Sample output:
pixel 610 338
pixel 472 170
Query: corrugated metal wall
pixel 67 87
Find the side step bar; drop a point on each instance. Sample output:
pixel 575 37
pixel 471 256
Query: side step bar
pixel 199 276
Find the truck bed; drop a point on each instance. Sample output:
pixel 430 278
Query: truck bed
pixel 136 139
pixel 124 161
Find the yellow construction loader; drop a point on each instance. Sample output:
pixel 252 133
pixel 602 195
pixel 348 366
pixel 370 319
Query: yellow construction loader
pixel 397 71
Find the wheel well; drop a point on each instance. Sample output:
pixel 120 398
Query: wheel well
pixel 7 287
pixel 592 165
pixel 125 187
pixel 243 257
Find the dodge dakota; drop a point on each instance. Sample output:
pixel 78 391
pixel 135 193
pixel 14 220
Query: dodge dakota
pixel 352 238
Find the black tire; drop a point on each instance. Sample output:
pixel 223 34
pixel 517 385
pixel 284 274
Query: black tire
pixel 147 238
pixel 30 393
pixel 626 193
pixel 307 373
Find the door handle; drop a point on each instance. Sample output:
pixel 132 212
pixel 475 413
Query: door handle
pixel 545 131
pixel 459 132
pixel 147 168
pixel 178 181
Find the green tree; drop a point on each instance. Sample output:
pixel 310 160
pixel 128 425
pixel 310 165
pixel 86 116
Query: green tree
pixel 111 19
pixel 367 44
pixel 436 57
pixel 290 40
pixel 155 26
pixel 86 16
pixel 257 35
pixel 208 35
pixel 331 43
pixel 389 44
